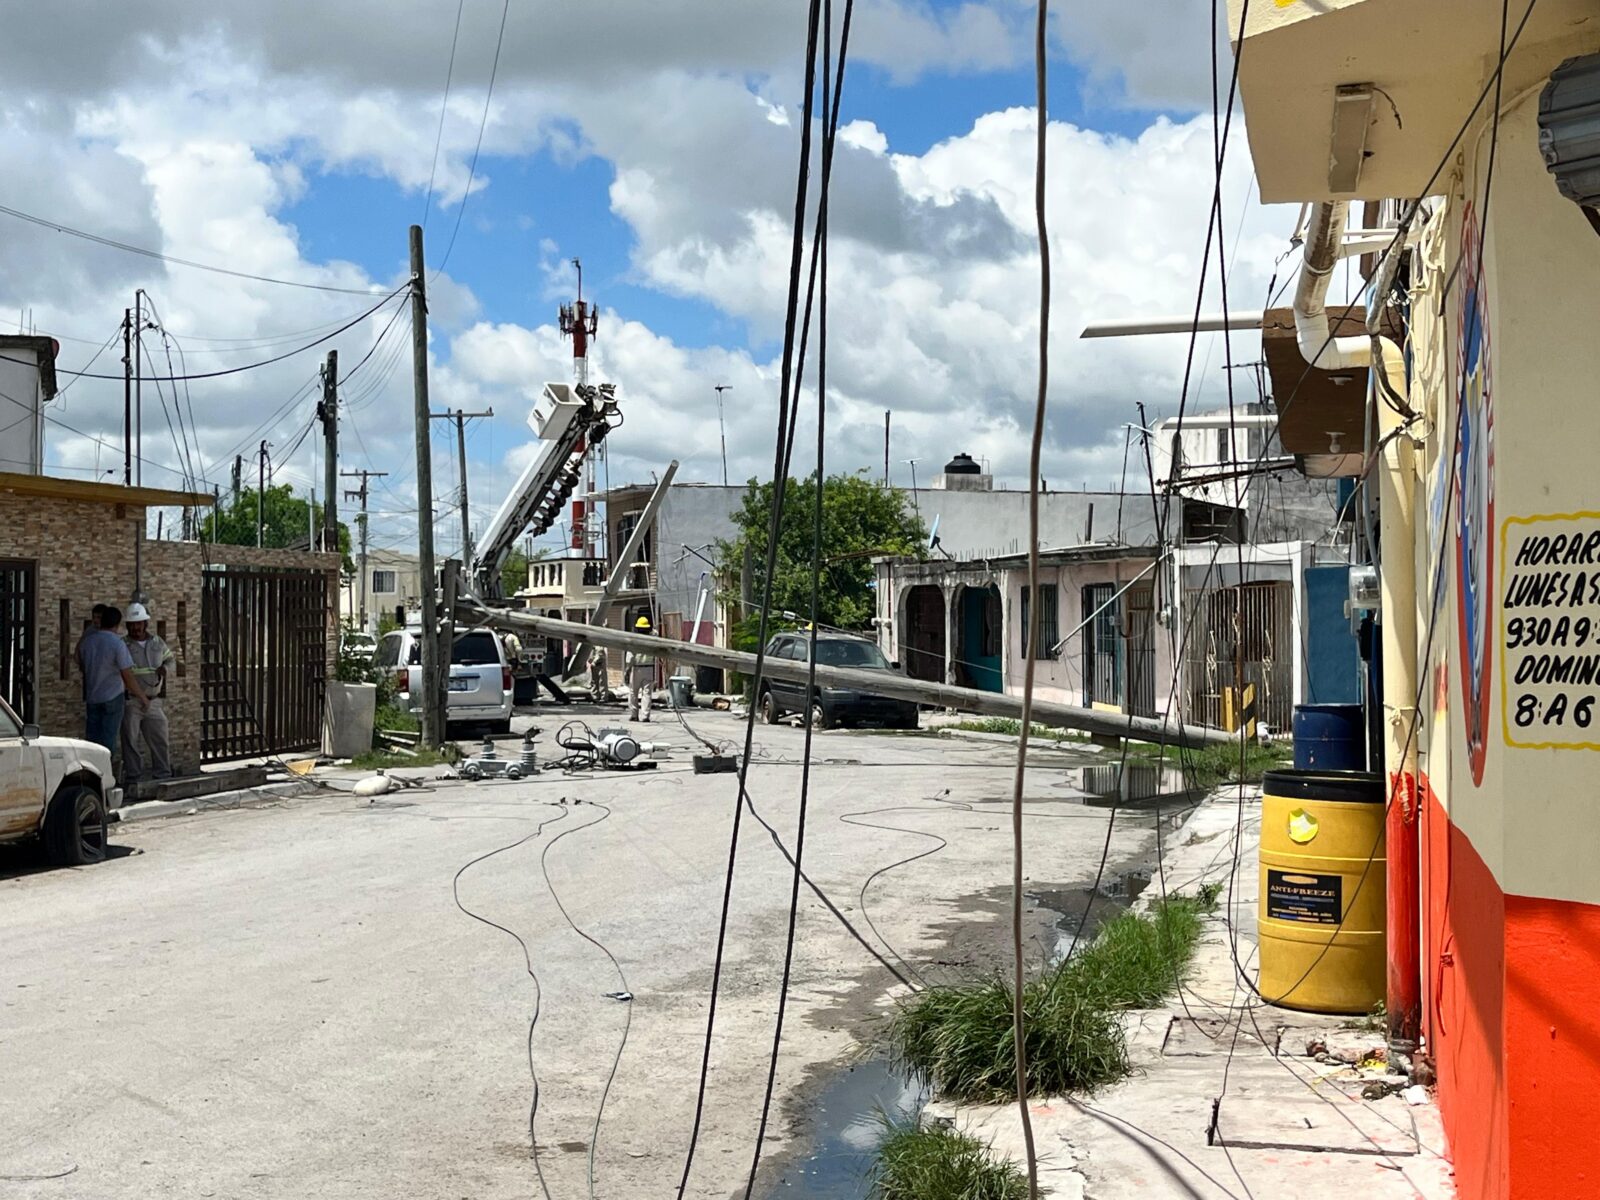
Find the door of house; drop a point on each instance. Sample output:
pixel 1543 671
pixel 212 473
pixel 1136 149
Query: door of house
pixel 978 662
pixel 1139 636
pixel 1102 648
pixel 264 653
pixel 19 636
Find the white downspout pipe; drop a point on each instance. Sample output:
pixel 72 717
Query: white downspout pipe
pixel 1397 575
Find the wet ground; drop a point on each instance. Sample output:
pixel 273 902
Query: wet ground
pixel 850 1108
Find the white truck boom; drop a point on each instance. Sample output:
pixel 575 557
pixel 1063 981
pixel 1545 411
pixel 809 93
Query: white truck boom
pixel 567 421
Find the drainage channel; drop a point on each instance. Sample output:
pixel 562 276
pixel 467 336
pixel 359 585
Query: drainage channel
pixel 851 1114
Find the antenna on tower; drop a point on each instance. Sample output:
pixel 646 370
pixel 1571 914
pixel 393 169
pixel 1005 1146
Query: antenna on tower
pixel 580 322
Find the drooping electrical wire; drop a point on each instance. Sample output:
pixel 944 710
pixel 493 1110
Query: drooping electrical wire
pixel 786 369
pixel 58 227
pixel 472 170
pixel 444 107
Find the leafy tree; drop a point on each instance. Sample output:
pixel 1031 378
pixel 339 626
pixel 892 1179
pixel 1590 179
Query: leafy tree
pixel 860 520
pixel 287 519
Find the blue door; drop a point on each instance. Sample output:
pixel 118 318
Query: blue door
pixel 981 638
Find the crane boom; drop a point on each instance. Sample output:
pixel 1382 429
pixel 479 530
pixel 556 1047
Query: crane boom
pixel 567 420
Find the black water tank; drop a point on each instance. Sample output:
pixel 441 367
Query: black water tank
pixel 962 464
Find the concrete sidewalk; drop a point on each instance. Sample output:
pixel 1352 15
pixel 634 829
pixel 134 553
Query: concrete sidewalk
pixel 1225 1100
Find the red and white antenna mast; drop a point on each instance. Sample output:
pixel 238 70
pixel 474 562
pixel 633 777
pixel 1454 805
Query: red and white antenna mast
pixel 581 322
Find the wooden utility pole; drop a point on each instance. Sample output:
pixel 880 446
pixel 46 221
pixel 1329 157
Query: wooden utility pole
pixel 461 419
pixel 433 698
pixel 328 410
pixel 361 495
pixel 261 494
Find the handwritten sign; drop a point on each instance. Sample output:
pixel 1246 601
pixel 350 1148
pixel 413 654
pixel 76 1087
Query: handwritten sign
pixel 1550 631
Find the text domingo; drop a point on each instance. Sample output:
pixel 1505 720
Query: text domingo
pixel 1550 630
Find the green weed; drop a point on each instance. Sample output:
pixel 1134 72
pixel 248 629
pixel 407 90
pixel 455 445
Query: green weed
pixel 927 1162
pixel 959 1036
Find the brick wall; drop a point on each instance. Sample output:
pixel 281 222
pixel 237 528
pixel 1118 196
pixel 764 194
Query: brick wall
pixel 84 555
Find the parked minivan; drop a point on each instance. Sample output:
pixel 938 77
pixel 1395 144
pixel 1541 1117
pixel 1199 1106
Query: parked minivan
pixel 480 684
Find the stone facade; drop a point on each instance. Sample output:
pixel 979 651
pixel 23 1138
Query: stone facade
pixel 83 552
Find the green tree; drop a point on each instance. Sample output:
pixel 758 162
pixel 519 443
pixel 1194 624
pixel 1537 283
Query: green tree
pixel 860 519
pixel 288 518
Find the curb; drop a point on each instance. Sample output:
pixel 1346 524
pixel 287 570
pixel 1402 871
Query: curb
pixel 147 810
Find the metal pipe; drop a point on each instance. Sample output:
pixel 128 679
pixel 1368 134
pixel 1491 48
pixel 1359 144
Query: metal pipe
pixel 1317 344
pixel 878 683
pixel 1207 323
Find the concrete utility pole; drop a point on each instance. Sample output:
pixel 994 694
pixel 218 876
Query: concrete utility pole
pixel 127 397
pixel 433 698
pixel 328 410
pixel 138 386
pixel 361 495
pixel 722 429
pixel 461 419
pixel 261 494
pixel 874 683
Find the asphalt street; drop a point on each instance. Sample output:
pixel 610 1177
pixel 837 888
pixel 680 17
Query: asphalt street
pixel 285 1000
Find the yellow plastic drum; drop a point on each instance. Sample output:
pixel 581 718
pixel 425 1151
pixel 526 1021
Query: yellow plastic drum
pixel 1322 890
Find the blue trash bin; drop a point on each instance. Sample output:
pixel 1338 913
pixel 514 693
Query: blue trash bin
pixel 1329 737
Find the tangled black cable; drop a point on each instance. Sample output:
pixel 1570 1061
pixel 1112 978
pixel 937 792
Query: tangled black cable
pixel 622 977
pixel 527 958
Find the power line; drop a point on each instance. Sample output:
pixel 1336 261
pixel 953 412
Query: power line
pixel 786 371
pixel 58 227
pixel 266 362
pixel 444 106
pixel 472 171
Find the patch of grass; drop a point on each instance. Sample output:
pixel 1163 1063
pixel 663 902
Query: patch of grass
pixel 395 718
pixel 1376 1021
pixel 1011 727
pixel 929 1162
pixel 959 1036
pixel 1215 765
pixel 1209 893
pixel 377 760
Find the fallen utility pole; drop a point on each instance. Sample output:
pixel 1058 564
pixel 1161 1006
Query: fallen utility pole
pixel 877 683
pixel 624 564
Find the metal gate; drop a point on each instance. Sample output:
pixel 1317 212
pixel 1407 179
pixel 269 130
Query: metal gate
pixel 19 642
pixel 263 672
pixel 1243 631
pixel 1102 648
pixel 1139 632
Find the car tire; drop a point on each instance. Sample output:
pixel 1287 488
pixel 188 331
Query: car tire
pixel 821 718
pixel 75 827
pixel 911 722
pixel 770 712
pixel 500 726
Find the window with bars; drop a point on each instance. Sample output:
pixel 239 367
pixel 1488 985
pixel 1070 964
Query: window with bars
pixel 1048 624
pixel 384 582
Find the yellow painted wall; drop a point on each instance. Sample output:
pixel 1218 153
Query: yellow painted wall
pixel 1531 816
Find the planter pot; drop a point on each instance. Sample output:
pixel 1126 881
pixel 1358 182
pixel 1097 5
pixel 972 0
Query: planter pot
pixel 348 729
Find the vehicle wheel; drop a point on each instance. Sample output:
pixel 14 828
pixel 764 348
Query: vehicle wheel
pixel 821 718
pixel 500 726
pixel 75 827
pixel 911 722
pixel 770 712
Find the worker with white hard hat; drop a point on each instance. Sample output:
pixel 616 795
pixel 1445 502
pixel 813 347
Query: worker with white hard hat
pixel 639 673
pixel 145 728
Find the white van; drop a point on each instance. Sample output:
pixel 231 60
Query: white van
pixel 480 683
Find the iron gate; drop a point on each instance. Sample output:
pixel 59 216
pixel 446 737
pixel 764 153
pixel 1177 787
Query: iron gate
pixel 1139 630
pixel 1244 631
pixel 19 624
pixel 264 655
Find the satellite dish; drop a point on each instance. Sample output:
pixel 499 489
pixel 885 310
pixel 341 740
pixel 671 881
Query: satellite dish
pixel 933 534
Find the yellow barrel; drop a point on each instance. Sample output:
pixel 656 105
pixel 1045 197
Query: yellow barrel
pixel 1322 890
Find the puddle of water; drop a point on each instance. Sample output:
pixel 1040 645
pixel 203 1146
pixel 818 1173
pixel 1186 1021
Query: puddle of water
pixel 1129 785
pixel 848 1120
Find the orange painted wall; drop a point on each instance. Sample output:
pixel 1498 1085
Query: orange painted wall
pixel 1463 1012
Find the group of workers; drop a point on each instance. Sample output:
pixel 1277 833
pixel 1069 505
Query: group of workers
pixel 124 683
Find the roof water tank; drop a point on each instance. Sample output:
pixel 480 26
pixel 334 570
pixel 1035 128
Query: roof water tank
pixel 962 464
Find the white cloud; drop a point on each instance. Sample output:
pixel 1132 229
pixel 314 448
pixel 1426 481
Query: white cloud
pixel 197 142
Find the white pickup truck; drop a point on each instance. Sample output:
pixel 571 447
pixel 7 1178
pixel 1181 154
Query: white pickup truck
pixel 59 789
